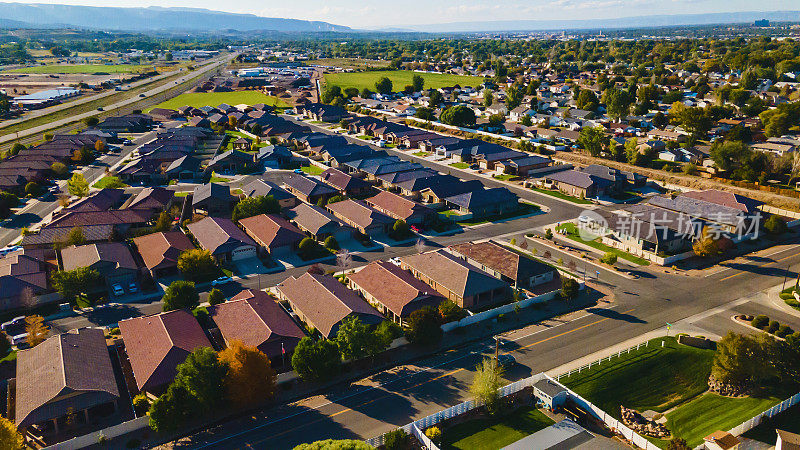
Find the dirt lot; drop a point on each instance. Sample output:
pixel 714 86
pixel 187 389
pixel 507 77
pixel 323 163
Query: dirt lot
pixel 20 84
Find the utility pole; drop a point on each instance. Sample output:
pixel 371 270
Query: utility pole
pixel 785 275
pixel 496 348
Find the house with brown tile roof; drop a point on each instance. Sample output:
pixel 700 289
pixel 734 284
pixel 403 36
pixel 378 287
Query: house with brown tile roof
pixel 223 239
pixel 464 283
pixel 113 260
pixel 157 344
pixel 256 319
pixel 22 272
pixel 160 251
pixel 69 373
pixel 155 199
pixel 322 302
pixel 273 234
pixel 318 223
pixel 401 208
pixel 392 291
pixel 503 263
pixel 361 217
pixel 344 183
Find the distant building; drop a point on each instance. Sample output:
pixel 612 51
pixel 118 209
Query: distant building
pixel 761 23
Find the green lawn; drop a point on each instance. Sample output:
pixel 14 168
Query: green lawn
pixel 504 177
pixel 562 196
pixel 421 154
pixel 312 170
pixel 109 181
pixel 218 179
pixel 400 79
pixel 523 210
pixel 83 68
pixel 459 165
pixel 654 377
pixel 10 357
pixel 572 233
pixel 711 412
pixel 200 99
pixel 786 421
pixel 494 432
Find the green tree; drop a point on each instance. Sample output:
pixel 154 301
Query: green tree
pixel 253 206
pixel 72 283
pixel 424 113
pixel 331 243
pixel 355 340
pixel 330 93
pixel 215 297
pixel 775 225
pixel 741 360
pixel 196 263
pixel 450 311
pixel 32 189
pixel 592 139
pixel 435 98
pixel 316 360
pixel 384 85
pixel 459 116
pixel 488 98
pixel 180 294
pixel 164 222
pixel 172 410
pixel 495 120
pixel 728 154
pixel 396 440
pixel 7 201
pixel 618 103
pixel 400 229
pixel 10 438
pixel 308 247
pixel 423 327
pixel 587 100
pixel 417 82
pixel 77 185
pixel 609 258
pixel 569 288
pixel 486 382
pixel 514 95
pixel 91 121
pixel 203 376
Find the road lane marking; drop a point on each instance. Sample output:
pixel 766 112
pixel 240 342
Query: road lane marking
pixel 742 272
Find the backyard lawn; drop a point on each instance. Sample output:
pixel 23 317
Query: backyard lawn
pixel 83 68
pixel 562 196
pixel 200 99
pixel 786 421
pixel 312 170
pixel 400 79
pixel 711 412
pixel 653 377
pixel 494 432
pixel 572 233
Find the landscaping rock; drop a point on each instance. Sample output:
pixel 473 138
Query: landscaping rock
pixel 641 425
pixel 727 389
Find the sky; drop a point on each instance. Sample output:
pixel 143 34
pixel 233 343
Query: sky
pixel 397 14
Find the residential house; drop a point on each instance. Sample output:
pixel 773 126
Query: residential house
pixel 153 199
pixel 223 239
pixel 393 291
pixel 437 193
pixel 776 148
pixel 274 156
pixel 231 161
pixel 508 265
pixel 521 166
pixel 358 215
pixel 23 277
pixel 318 223
pixel 256 319
pixel 157 344
pixel 463 283
pixel 262 188
pixel 68 378
pixel 322 112
pixel 309 190
pixel 482 203
pixel 614 181
pixel 112 260
pixel 787 440
pixel 322 302
pixel 160 251
pixel 273 234
pixel 721 440
pixel 401 208
pixel 213 199
pixel 344 183
pixel 575 183
pixel 666 135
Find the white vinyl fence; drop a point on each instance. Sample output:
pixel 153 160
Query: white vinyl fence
pixel 494 312
pixel 755 421
pixel 604 359
pixel 108 433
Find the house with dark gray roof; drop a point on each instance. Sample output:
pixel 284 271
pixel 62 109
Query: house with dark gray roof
pixel 213 199
pixel 346 184
pixel 308 189
pixel 263 188
pixel 113 260
pixel 318 222
pixel 482 202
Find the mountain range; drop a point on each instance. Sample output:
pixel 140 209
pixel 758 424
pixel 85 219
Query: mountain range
pixel 37 15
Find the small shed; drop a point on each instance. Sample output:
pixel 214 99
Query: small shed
pixel 242 143
pixel 550 393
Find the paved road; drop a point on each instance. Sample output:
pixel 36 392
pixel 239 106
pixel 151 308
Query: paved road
pixel 218 62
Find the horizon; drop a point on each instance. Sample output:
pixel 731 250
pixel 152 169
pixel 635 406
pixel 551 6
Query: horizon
pixel 370 15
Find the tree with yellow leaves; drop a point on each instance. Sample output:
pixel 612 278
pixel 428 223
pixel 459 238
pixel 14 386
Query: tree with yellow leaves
pixel 250 379
pixel 36 329
pixel 10 438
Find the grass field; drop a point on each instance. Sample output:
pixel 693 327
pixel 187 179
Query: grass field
pixel 563 196
pixel 312 170
pixel 459 165
pixel 572 233
pixel 83 68
pixel 494 432
pixel 109 181
pixel 711 412
pixel 349 63
pixel 400 79
pixel 787 421
pixel 654 377
pixel 199 99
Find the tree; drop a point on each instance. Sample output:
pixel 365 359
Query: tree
pixel 308 247
pixel 495 120
pixel 215 297
pixel 180 294
pixel 330 93
pixel 423 327
pixel 514 96
pixel 72 283
pixel 618 103
pixel 486 382
pixel 203 376
pixel 434 434
pixel 75 237
pixel 250 379
pixel 400 229
pixel 384 85
pixel 526 120
pixel 91 121
pixel 36 329
pixel 336 444
pixel 355 340
pixel 417 82
pixel 609 258
pixel 587 100
pixel 424 113
pixel 677 443
pixel 316 360
pixel 569 288
pixel 450 311
pixel 707 245
pixel 10 438
pixel 728 154
pixel 775 225
pixel 459 116
pixel 488 98
pixel 741 360
pixel 592 139
pixel 172 409
pixel 253 206
pixel 7 201
pixel 78 186
pixel 32 189
pixel 164 222
pixel 140 404
pixel 435 98
pixel 196 263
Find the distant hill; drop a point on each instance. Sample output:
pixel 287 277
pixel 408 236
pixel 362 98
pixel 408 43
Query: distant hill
pixel 39 15
pixel 617 23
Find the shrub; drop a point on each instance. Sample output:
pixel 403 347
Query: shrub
pixel 215 297
pixel 331 243
pixel 548 234
pixel 760 321
pixel 395 440
pixel 773 326
pixel 434 434
pixel 141 404
pixel 783 331
pixel 609 258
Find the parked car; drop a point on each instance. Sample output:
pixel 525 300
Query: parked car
pixel 127 142
pixel 11 248
pixel 117 290
pixel 132 288
pixel 221 280
pixel 474 167
pixel 395 261
pixel 15 321
pixel 298 171
pixel 142 95
pixel 99 108
pixel 506 361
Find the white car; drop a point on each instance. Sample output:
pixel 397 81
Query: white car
pixel 395 261
pixel 11 248
pixel 117 289
pixel 14 321
pixel 221 280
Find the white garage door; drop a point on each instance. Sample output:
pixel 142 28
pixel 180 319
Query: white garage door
pixel 243 252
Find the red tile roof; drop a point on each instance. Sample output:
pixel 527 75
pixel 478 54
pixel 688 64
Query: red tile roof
pixel 395 288
pixel 160 250
pixel 272 230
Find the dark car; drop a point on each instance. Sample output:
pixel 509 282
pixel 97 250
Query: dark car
pixel 506 361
